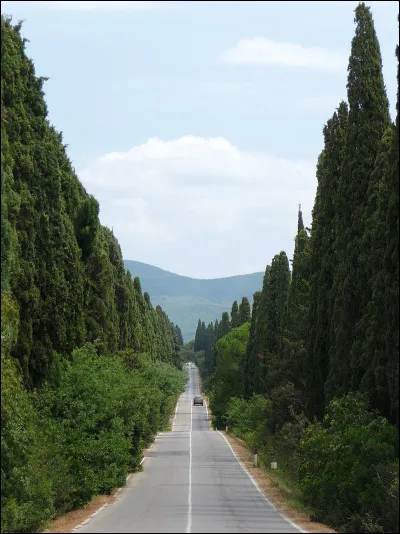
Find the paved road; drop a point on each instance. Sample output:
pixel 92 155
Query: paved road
pixel 191 482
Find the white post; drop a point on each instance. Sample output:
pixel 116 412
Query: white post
pixel 255 459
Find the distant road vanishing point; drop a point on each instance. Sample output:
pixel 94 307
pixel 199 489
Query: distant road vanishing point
pixel 191 482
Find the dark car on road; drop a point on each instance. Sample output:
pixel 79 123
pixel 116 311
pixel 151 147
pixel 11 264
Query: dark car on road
pixel 198 401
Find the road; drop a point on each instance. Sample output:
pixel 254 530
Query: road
pixel 191 482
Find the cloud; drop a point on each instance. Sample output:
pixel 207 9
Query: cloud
pixel 165 195
pixel 100 5
pixel 262 51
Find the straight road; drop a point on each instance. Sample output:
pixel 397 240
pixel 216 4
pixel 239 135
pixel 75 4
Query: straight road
pixel 191 482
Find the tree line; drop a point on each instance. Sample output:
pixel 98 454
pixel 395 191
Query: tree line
pixel 78 335
pixel 322 345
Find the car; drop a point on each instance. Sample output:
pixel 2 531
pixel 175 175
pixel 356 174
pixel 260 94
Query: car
pixel 198 401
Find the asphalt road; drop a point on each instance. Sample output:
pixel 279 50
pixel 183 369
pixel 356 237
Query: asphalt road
pixel 191 482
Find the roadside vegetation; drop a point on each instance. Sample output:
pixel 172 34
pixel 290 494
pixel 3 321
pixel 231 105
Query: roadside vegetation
pixel 310 380
pixel 90 370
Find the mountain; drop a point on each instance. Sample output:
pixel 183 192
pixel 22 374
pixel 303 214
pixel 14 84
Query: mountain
pixel 186 299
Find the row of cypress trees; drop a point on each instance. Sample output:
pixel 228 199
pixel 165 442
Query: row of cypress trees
pixel 330 325
pixel 316 385
pixel 90 369
pixel 62 272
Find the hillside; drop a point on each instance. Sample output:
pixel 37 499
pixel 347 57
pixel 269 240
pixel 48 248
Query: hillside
pixel 186 299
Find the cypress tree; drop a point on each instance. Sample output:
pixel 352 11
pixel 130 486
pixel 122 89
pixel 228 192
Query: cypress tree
pixel 260 335
pixel 275 310
pixel 323 261
pixel 244 311
pixel 197 337
pixel 235 315
pixel 295 327
pixel 391 271
pixel 368 119
pixel 369 369
pixel 250 363
pixel 224 325
pixel 209 343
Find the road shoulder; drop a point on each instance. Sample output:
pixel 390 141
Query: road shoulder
pixel 72 520
pixel 271 489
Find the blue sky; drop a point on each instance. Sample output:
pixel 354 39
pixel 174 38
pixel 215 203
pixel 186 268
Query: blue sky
pixel 197 125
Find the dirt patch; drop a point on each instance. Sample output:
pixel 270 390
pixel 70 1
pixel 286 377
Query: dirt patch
pixel 74 518
pixel 273 491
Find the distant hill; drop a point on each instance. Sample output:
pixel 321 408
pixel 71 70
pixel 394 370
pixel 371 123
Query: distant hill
pixel 185 299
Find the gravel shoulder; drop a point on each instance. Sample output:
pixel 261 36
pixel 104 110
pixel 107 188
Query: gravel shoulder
pixel 273 489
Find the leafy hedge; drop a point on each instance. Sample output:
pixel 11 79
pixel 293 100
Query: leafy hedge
pixel 349 470
pixel 60 447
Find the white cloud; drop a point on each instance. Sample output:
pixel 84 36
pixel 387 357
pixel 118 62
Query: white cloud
pixel 164 195
pixel 100 5
pixel 262 51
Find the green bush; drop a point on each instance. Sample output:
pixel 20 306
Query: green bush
pixel 349 470
pixel 248 418
pixel 63 445
pixel 26 496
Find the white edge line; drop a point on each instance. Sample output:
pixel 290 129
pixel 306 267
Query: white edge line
pixel 207 411
pixel 256 485
pixel 173 421
pixel 88 519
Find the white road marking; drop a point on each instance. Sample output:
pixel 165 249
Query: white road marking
pixel 176 407
pixel 88 519
pixel 189 518
pixel 256 485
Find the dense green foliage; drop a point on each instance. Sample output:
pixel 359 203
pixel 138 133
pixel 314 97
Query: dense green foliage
pixel 227 378
pixel 90 369
pixel 62 446
pixel 316 386
pixel 349 470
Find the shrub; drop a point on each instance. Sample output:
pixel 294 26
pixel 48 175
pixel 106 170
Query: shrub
pixel 63 445
pixel 349 470
pixel 26 497
pixel 248 418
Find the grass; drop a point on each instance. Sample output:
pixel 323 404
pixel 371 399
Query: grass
pixel 287 487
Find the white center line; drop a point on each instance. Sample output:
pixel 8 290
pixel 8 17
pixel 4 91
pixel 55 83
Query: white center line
pixel 189 518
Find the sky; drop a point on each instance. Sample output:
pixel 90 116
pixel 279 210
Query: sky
pixel 197 125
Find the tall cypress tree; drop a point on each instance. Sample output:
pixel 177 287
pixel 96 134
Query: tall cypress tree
pixel 391 261
pixel 368 119
pixel 197 337
pixel 235 315
pixel 295 326
pixel 244 311
pixel 276 311
pixel 369 369
pixel 260 335
pixel 224 325
pixel 323 261
pixel 270 317
pixel 250 363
